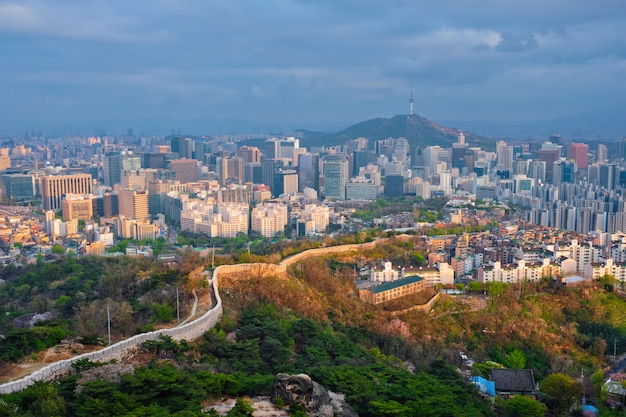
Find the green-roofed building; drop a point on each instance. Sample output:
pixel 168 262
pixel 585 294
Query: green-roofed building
pixel 387 291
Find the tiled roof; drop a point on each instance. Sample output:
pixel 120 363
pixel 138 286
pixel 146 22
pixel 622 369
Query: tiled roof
pixel 513 380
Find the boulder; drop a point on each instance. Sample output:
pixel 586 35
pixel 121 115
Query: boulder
pixel 311 396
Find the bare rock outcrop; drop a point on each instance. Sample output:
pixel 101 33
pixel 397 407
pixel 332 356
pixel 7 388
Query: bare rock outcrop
pixel 311 396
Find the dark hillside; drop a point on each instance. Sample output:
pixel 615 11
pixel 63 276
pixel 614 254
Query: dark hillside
pixel 418 130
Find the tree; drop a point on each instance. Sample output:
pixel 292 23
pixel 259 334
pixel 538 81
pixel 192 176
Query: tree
pixel 597 383
pixel 608 282
pixel 242 408
pixel 495 290
pixel 43 399
pixel 516 359
pixel 562 390
pixel 521 406
pixel 484 368
pixel 475 286
pixel 296 410
pixel 58 249
pixel 418 259
pixel 390 408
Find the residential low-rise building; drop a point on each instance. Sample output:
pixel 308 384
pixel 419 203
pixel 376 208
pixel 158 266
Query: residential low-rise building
pixel 442 274
pixel 95 248
pixel 513 273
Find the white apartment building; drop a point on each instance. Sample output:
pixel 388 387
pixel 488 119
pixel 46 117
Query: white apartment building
pixel 138 229
pixel 320 215
pixel 521 271
pixel 596 270
pixel 386 273
pixel 584 254
pixel 443 274
pixel 228 220
pixel 269 219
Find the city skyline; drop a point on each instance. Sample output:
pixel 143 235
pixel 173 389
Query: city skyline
pixel 293 64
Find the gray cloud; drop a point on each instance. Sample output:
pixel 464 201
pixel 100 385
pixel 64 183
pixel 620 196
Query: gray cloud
pixel 305 61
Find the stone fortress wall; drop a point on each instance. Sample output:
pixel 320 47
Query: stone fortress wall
pixel 190 331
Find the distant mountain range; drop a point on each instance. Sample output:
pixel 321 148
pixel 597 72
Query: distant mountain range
pixel 605 125
pixel 418 130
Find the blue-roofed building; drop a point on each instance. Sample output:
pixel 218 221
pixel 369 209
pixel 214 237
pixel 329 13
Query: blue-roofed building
pixel 485 386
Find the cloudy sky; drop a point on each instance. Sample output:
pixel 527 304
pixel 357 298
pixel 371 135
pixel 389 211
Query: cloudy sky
pixel 306 63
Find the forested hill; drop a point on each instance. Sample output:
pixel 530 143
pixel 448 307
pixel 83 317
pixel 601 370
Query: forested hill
pixel 418 130
pixel 385 362
pixel 241 356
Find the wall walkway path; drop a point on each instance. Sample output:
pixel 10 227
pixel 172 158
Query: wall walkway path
pixel 188 331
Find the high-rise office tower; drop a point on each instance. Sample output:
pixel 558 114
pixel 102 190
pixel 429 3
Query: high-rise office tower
pixel 97 206
pixel 249 154
pixel 564 171
pixel 287 146
pixel 520 167
pixel 394 185
pixel 360 159
pixel 445 182
pixel 253 172
pixel 309 172
pixel 432 155
pixel 417 158
pixel 458 153
pixel 336 176
pixel 130 161
pixel 153 160
pixel 230 170
pixel 272 149
pixel 53 187
pixel 549 156
pixel 602 154
pixel 537 170
pixel 578 152
pixel 112 168
pixel 133 204
pixel 269 167
pixel 285 182
pixel 186 170
pixel 115 162
pixel 18 186
pixel 182 146
pixel 5 161
pixel 156 195
pixel 622 149
pixel 556 139
pixel 505 156
pixel 200 148
pixel 111 206
pixel 77 207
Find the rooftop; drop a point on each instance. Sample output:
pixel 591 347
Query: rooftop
pixel 513 380
pixel 395 284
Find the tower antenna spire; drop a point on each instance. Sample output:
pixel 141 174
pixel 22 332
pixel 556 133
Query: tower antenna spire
pixel 411 102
